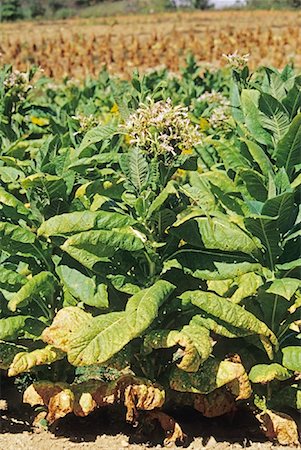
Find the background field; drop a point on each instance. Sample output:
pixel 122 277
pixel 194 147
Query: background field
pixel 77 47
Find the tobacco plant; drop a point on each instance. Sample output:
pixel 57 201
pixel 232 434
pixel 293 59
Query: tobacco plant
pixel 150 256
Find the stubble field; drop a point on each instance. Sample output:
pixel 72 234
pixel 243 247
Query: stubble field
pixel 79 47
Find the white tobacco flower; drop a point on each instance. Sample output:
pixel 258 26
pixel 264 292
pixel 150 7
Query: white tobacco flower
pixel 214 97
pixel 161 128
pixel 19 82
pixel 86 122
pixel 237 61
pixel 219 117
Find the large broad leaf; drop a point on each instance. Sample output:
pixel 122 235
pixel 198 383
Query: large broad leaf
pixel 250 101
pixel 19 240
pixel 11 206
pixel 142 308
pixel 231 156
pixel 39 289
pixel 93 340
pixel 24 361
pixel 287 152
pixel 216 233
pixel 203 265
pixel 15 327
pixel 230 313
pixel 52 186
pixel 292 101
pixel 193 339
pixel 169 189
pixel 265 228
pixel 286 287
pixel 264 373
pixel 78 221
pixel 212 375
pixel 275 117
pixel 255 184
pixel 292 358
pixel 95 136
pixel 282 207
pixel 248 285
pixel 135 167
pixel 90 247
pixel 260 157
pixel 83 288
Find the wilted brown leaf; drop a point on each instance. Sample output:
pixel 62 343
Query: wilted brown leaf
pixel 279 427
pixel 81 399
pixel 172 429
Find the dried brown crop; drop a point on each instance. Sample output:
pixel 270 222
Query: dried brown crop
pixel 79 47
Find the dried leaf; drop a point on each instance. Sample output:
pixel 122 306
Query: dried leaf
pixel 171 428
pixel 279 427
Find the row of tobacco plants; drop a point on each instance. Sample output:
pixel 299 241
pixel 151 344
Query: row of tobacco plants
pixel 150 240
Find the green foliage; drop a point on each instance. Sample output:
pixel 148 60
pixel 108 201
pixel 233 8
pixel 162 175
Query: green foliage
pixel 148 255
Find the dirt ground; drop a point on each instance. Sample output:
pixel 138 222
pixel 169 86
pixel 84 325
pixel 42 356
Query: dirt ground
pixel 78 47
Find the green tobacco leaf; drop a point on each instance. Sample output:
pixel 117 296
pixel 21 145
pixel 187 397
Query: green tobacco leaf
pixel 265 228
pixel 219 327
pixel 8 351
pixel 39 289
pixel 90 247
pixel 250 101
pixel 275 117
pixel 95 136
pixel 52 186
pixel 286 287
pixel 230 313
pixel 255 184
pixel 216 233
pixel 292 358
pixel 260 157
pixel 169 189
pixel 212 375
pixel 290 396
pixel 20 326
pixel 231 156
pixel 19 240
pixel 142 308
pixel 93 340
pixel 83 288
pixel 78 221
pixel 282 207
pixel 10 280
pixel 248 285
pixel 193 340
pixel 24 361
pixel 264 373
pixel 287 152
pixel 15 205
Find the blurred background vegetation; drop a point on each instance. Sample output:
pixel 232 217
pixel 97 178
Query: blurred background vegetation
pixel 11 10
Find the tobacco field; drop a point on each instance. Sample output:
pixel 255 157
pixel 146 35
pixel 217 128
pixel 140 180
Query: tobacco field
pixel 150 244
pixel 79 47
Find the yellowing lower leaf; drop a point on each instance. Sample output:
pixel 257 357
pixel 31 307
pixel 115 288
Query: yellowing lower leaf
pixel 40 121
pixel 24 361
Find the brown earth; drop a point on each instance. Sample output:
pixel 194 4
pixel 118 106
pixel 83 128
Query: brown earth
pixel 78 47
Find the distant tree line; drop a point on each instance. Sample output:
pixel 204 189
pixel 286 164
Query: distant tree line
pixel 29 9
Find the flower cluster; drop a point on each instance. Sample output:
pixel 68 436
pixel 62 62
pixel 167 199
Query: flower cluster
pixel 220 114
pixel 214 97
pixel 86 122
pixel 161 128
pixel 19 83
pixel 237 61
